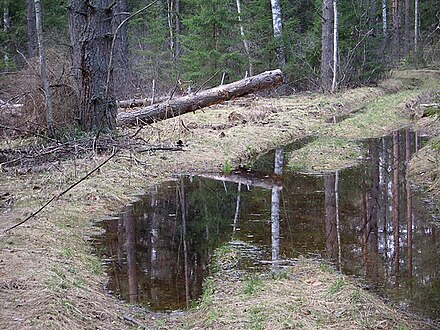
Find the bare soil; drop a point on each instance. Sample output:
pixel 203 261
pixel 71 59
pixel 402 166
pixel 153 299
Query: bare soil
pixel 51 279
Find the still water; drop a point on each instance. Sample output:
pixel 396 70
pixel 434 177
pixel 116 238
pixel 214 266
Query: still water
pixel 365 220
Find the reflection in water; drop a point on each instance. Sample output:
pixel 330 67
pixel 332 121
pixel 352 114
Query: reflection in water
pixel 366 220
pixel 275 211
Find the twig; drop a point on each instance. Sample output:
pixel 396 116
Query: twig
pixel 27 131
pixel 207 81
pixel 112 47
pixel 55 197
pixel 133 321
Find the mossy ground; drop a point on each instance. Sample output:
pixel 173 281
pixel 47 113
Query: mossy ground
pixel 50 278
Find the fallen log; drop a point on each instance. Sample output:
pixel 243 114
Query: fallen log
pixel 134 103
pixel 188 103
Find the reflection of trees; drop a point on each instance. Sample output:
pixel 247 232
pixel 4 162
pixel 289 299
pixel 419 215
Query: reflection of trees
pixel 175 229
pixel 275 212
pixel 332 223
pixel 130 230
pixel 409 205
pixel 369 211
pixel 395 204
pixel 330 217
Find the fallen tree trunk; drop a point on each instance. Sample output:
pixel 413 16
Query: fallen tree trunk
pixel 134 103
pixel 188 103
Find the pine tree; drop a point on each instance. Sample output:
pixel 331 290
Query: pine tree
pixel 211 43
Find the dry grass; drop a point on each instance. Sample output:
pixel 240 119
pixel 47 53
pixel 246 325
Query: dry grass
pixel 50 279
pixel 308 295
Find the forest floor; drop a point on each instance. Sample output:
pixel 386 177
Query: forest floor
pixel 50 277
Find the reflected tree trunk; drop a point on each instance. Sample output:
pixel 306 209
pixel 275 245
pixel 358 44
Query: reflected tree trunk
pixel 275 220
pixel 330 217
pixel 275 211
pixel 395 201
pixel 184 209
pixel 373 207
pixel 237 209
pixel 409 206
pixel 130 230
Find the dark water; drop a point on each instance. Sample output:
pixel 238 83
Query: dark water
pixel 159 249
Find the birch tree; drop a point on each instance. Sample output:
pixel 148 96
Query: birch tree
pixel 243 37
pixel 384 18
pixel 278 32
pixel 42 62
pixel 6 28
pixel 416 25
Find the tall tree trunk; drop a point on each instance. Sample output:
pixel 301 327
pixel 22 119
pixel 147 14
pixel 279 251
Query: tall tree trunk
pixel 244 40
pixel 416 26
pixel 278 32
pixel 407 38
pixel 6 28
pixel 120 50
pixel 327 46
pixel 91 37
pixel 396 13
pixel 335 46
pixel 173 12
pixel 31 28
pixel 177 24
pixel 384 18
pixel 43 74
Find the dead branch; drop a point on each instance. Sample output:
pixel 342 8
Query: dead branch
pixel 55 197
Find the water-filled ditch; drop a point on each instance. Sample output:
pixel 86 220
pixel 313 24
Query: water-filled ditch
pixel 159 249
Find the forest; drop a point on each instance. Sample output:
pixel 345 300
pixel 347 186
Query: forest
pixel 219 164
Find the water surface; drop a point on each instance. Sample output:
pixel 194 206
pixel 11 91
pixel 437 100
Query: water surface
pixel 366 220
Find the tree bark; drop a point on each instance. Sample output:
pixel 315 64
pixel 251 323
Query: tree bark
pixel 120 49
pixel 135 103
pixel 43 75
pixel 244 40
pixel 203 99
pixel 31 28
pixel 416 26
pixel 278 32
pixel 407 38
pixel 91 37
pixel 335 47
pixel 6 28
pixel 327 45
